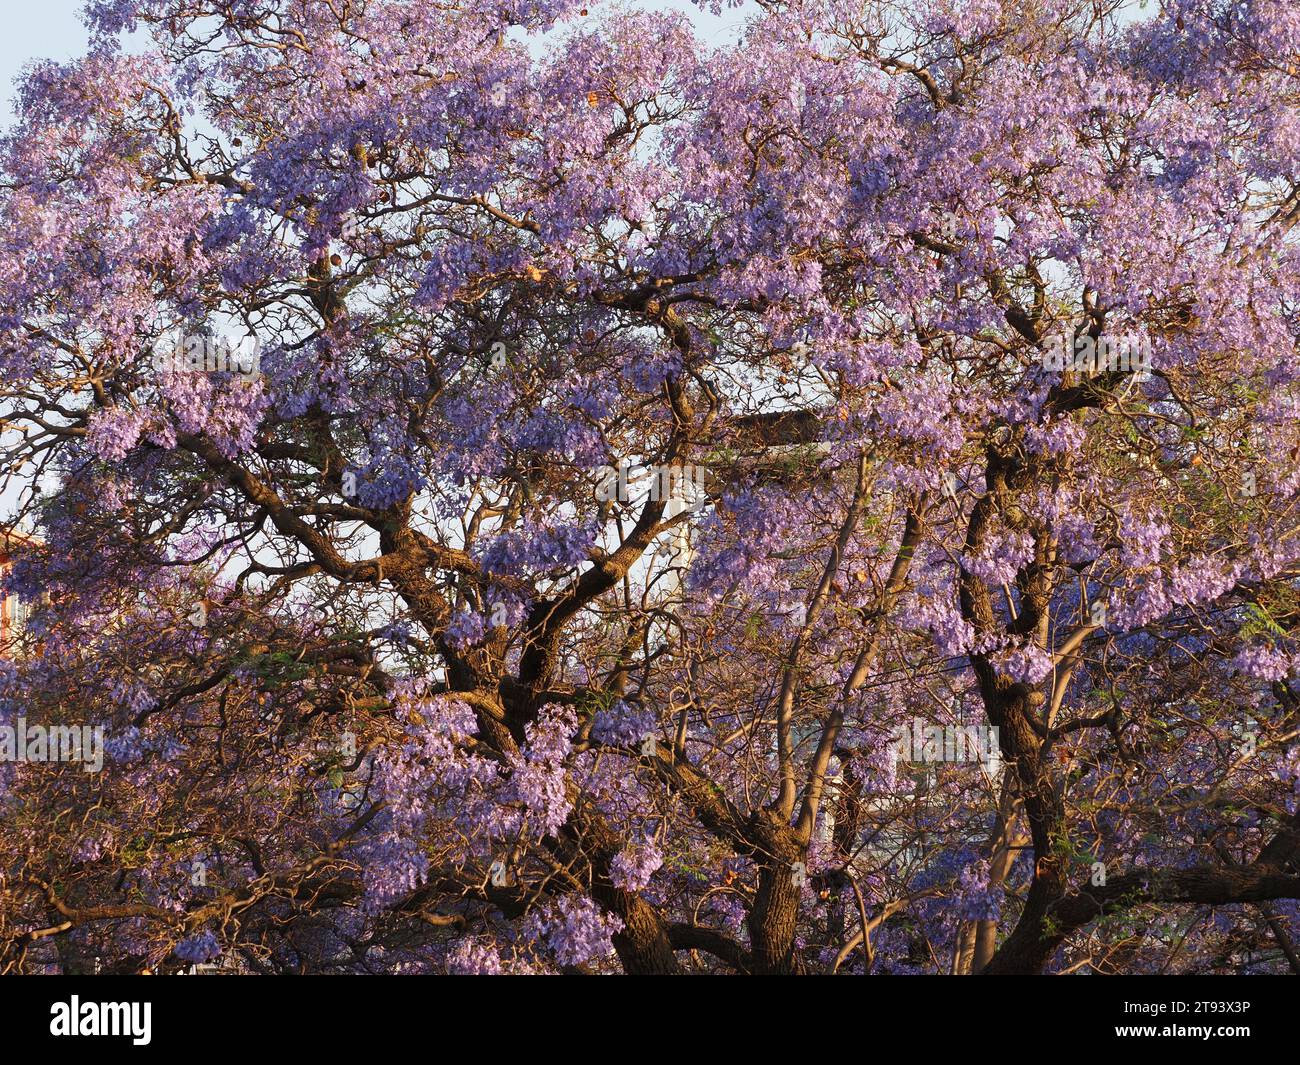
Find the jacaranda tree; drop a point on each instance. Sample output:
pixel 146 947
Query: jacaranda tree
pixel 518 489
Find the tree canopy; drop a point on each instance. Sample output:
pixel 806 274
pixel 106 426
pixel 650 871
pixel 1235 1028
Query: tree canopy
pixel 630 440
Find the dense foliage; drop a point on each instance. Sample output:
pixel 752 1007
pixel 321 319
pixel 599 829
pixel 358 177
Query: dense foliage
pixel 394 676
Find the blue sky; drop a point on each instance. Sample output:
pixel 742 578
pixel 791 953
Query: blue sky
pixel 52 29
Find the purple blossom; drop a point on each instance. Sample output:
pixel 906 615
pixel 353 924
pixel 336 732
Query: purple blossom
pixel 199 948
pixel 635 864
pixel 576 931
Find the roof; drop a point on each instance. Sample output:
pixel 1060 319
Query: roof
pixel 10 540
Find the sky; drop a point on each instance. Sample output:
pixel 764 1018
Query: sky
pixel 52 29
